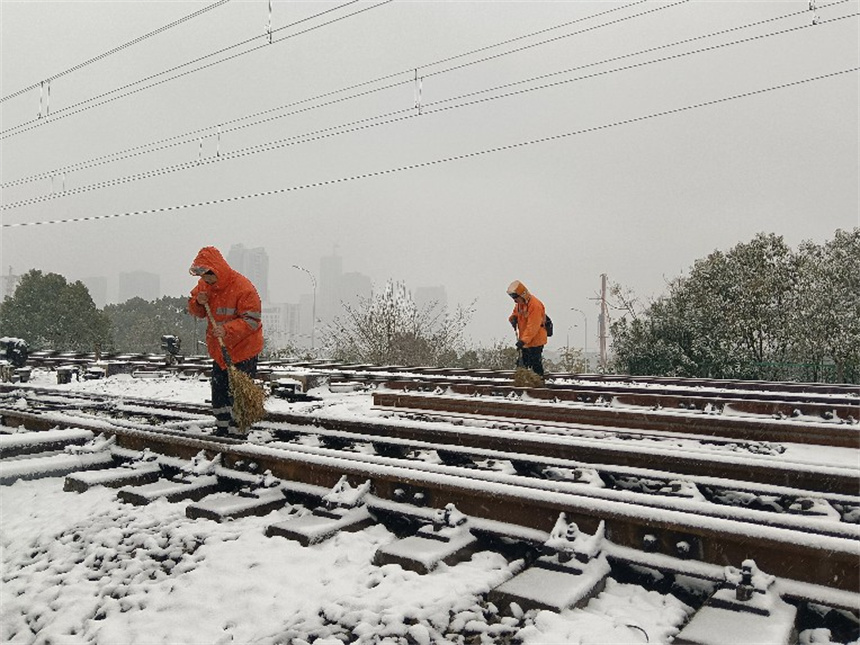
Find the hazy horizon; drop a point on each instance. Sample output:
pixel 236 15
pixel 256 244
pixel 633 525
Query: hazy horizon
pixel 462 144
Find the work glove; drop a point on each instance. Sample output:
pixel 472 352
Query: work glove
pixel 520 344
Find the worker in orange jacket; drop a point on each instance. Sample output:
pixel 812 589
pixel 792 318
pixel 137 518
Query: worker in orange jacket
pixel 237 311
pixel 528 319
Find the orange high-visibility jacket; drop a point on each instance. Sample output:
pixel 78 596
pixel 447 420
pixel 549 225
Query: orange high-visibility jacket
pixel 530 316
pixel 234 303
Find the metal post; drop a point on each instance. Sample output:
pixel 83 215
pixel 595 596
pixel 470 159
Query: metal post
pixel 314 306
pixel 604 318
pixel 585 349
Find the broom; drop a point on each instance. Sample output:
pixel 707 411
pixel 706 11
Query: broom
pixel 248 397
pixel 523 376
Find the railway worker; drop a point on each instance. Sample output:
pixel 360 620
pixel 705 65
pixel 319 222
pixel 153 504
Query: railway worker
pixel 236 321
pixel 528 319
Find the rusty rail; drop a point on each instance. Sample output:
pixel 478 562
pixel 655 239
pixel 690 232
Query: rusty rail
pixel 747 429
pixel 796 555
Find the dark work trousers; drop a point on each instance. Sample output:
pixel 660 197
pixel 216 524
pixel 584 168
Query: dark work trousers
pixel 533 359
pixel 222 401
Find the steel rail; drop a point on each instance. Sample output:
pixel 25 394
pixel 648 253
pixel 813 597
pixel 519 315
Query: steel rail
pixel 287 428
pixel 765 403
pixel 184 416
pixel 829 561
pixel 561 444
pixel 833 393
pixel 743 428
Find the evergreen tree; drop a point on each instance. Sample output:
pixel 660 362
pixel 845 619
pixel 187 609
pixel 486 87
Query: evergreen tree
pixel 52 314
pixel 826 325
pixel 137 325
pixel 758 311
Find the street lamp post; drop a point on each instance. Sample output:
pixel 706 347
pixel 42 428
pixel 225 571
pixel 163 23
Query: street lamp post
pixel 314 306
pixel 585 349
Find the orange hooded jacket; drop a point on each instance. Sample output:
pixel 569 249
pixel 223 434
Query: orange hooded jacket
pixel 530 316
pixel 234 303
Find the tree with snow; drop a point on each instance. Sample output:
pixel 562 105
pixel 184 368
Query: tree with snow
pixel 50 313
pixel 753 312
pixel 137 325
pixel 390 329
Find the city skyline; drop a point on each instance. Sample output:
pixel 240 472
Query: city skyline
pixel 546 142
pixel 320 295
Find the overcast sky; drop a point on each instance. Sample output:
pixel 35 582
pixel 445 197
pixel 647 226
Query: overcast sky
pixel 615 173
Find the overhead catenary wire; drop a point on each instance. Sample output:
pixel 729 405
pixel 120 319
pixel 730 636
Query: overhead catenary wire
pixel 201 131
pixel 195 135
pixel 222 128
pixel 435 162
pixel 115 50
pixel 400 115
pixel 112 95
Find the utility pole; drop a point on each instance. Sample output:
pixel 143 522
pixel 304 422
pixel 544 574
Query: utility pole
pixel 604 315
pixel 585 347
pixel 314 306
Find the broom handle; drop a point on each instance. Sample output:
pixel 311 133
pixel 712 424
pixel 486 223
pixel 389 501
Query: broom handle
pixel 212 322
pixel 519 349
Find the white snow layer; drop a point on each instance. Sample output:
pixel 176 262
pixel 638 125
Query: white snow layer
pixel 86 568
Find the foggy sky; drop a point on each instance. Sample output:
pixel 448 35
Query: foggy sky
pixel 603 186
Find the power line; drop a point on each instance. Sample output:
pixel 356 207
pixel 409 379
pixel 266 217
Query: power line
pixel 435 162
pixel 130 43
pixel 400 115
pixel 196 134
pixel 684 41
pixel 624 68
pixel 189 137
pixel 110 96
pixel 37 122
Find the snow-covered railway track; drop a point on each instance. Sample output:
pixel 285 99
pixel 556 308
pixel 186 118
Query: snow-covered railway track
pixel 765 405
pixel 686 530
pixel 379 373
pixel 461 440
pixel 841 398
pixel 774 505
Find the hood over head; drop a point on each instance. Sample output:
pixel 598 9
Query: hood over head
pixel 517 288
pixel 210 259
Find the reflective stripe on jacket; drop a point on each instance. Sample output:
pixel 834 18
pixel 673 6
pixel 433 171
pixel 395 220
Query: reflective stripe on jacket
pixel 234 303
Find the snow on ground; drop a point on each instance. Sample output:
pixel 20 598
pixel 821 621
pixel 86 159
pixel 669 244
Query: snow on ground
pixel 87 568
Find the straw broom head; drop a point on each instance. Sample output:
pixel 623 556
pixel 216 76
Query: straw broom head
pixel 248 399
pixel 524 377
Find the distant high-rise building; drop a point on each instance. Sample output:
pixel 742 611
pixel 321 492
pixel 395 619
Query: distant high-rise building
pixel 337 288
pixel 328 298
pixel 253 264
pixel 97 286
pixel 434 298
pixel 10 283
pixel 354 288
pixel 139 284
pixel 281 325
